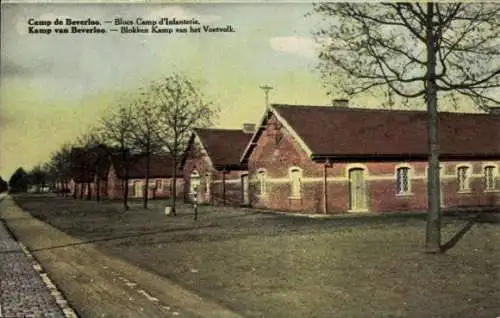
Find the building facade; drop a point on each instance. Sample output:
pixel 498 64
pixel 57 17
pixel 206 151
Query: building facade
pixel 321 159
pixel 212 168
pixel 102 173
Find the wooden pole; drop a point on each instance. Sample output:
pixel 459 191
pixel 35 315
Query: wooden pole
pixel 325 187
pixel 223 187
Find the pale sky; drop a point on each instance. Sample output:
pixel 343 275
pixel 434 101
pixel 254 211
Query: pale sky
pixel 54 86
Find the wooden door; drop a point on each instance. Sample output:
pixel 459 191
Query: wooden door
pixel 357 190
pixel 138 189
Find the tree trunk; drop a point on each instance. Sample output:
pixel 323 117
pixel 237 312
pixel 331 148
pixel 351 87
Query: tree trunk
pixel 223 187
pixel 146 185
pixel 89 190
pixel 174 186
pixel 82 185
pixel 98 189
pixel 125 194
pixel 325 189
pixel 433 233
pixel 125 178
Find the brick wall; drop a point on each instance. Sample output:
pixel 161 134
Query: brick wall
pixel 115 187
pixel 224 188
pixel 158 188
pixel 277 155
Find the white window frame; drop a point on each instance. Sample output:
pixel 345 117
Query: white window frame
pixel 494 175
pixel 262 182
pixel 196 176
pixel 295 190
pixel 463 187
pixel 399 187
pixel 158 184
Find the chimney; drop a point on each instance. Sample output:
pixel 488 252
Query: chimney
pixel 248 128
pixel 495 110
pixel 340 103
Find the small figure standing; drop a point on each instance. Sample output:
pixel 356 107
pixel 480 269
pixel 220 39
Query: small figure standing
pixel 195 203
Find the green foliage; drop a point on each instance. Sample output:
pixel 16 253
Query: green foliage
pixel 19 181
pixel 4 186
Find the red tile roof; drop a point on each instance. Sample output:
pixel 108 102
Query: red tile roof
pixel 86 162
pixel 353 132
pixel 224 146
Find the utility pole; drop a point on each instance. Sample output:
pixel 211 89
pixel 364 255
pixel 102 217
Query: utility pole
pixel 266 89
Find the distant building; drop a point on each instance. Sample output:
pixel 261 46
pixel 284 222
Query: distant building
pixel 211 165
pixel 160 177
pixel 100 172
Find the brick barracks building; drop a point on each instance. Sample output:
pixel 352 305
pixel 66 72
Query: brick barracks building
pixel 100 172
pixel 212 166
pixel 324 159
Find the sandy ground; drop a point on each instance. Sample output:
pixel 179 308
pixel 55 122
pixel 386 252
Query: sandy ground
pixel 97 285
pixel 262 264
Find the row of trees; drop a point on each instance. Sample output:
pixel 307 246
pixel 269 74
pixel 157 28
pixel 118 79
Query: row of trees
pixel 425 52
pixel 20 181
pixel 4 186
pixel 159 118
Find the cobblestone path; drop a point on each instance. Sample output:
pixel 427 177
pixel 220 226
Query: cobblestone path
pixel 23 293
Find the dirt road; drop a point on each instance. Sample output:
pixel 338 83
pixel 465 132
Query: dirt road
pixel 97 285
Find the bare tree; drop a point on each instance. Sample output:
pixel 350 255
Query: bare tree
pixel 60 163
pixel 38 177
pixel 417 50
pixel 50 174
pixel 144 135
pixel 116 131
pixel 180 107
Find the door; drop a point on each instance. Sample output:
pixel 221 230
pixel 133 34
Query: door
pixel 441 195
pixel 194 185
pixel 138 189
pixel 357 193
pixel 244 189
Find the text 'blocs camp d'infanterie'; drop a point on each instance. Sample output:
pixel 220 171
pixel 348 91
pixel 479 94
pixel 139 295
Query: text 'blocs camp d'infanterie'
pixel 123 25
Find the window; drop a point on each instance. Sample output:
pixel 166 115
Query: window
pixel 403 180
pixel 489 178
pixel 261 177
pixel 158 185
pixel 296 186
pixel 463 178
pixel 194 182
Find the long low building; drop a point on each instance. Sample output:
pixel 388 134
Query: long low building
pixel 103 172
pixel 212 168
pixel 326 159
